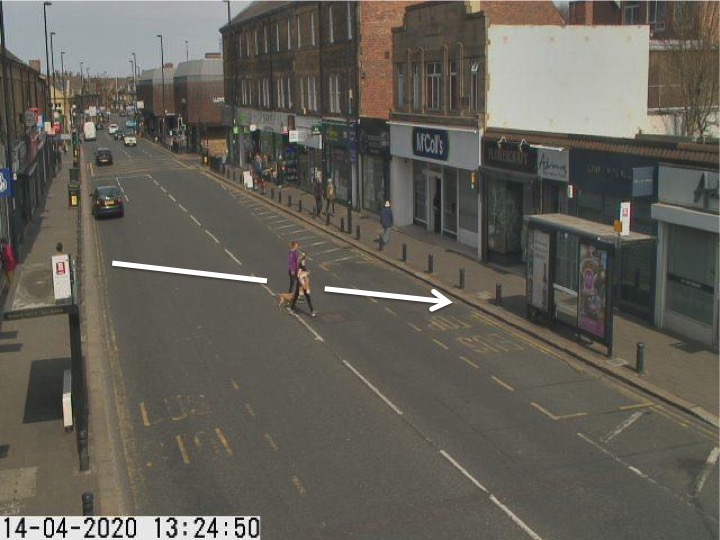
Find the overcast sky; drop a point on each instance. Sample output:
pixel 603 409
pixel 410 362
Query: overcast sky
pixel 104 33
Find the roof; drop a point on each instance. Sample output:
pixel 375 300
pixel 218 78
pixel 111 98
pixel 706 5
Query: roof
pixel 700 154
pixel 255 9
pixel 531 12
pixel 154 76
pixel 586 228
pixel 206 68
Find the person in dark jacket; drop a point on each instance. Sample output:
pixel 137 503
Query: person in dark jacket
pixel 386 220
pixel 318 193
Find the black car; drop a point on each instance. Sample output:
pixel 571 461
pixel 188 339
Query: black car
pixel 107 201
pixel 99 126
pixel 103 156
pixel 119 135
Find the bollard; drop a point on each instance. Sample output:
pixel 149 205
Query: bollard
pixel 404 253
pixel 380 242
pixel 87 503
pixel 498 294
pixel 342 224
pixel 272 193
pixel 431 264
pixel 300 206
pixel 289 201
pixel 462 278
pixel 349 220
pixel 640 358
pixel 314 213
pixel 279 196
pixel 357 232
pixel 327 218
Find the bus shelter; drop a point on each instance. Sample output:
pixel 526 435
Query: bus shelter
pixel 571 272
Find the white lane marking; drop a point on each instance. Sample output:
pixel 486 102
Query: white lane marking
pixel 622 427
pixel 288 226
pixel 370 385
pixel 173 199
pixel 262 213
pixel 163 189
pixel 326 251
pixel 473 364
pixel 519 522
pixel 707 468
pixel 317 244
pixel 156 182
pixel 303 238
pixel 462 470
pixel 211 235
pixel 127 199
pixel 233 257
pixel 318 337
pixel 194 219
pixel 268 289
pixel 183 208
pixel 340 260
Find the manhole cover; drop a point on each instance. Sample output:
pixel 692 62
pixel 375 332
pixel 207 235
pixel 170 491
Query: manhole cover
pixel 38 283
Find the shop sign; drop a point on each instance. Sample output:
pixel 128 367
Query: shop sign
pixel 691 188
pixel 553 164
pixel 642 178
pixel 430 143
pixel 5 184
pixel 339 133
pixel 374 137
pixel 625 218
pixel 316 129
pixel 592 295
pixel 607 173
pixel 539 282
pixel 218 100
pixel 293 136
pixel 510 155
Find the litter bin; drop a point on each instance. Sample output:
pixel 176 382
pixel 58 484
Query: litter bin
pixel 75 174
pixel 73 194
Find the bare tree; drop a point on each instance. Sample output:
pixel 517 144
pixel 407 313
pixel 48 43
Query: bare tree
pixel 692 59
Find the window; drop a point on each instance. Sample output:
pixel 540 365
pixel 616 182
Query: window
pixel 657 15
pixel 631 13
pixel 277 37
pixel 334 92
pixel 401 85
pixel 247 44
pixel 416 85
pixel 289 93
pixel 331 24
pixel 289 37
pixel 312 28
pixel 257 49
pixel 280 88
pixel 303 104
pixel 299 31
pixel 239 45
pixel 259 93
pixel 433 74
pixel 266 92
pixel 454 96
pixel 250 92
pixel 350 21
pixel 474 85
pixel 312 94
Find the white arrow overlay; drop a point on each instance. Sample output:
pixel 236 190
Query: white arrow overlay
pixel 438 299
pixel 188 272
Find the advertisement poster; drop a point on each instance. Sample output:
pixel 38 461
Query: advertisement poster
pixel 591 296
pixel 539 283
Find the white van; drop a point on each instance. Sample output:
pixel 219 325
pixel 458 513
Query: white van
pixel 89 131
pixel 112 128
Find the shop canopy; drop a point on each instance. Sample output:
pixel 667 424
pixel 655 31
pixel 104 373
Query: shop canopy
pixel 585 228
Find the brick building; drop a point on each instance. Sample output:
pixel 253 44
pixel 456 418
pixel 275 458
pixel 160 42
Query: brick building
pixel 311 83
pixel 158 100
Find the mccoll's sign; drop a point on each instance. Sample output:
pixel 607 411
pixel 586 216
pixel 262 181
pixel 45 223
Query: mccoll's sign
pixel 430 143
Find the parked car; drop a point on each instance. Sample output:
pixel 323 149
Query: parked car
pixel 112 128
pixel 130 140
pixel 119 134
pixel 103 156
pixel 107 201
pixel 99 126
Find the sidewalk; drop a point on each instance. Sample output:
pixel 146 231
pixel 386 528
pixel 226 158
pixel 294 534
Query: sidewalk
pixel 679 372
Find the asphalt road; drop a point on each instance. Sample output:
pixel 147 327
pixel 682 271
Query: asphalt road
pixel 377 419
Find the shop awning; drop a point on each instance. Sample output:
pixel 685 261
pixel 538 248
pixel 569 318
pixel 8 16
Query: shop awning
pixel 586 228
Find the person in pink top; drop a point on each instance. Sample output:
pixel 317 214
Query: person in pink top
pixel 9 260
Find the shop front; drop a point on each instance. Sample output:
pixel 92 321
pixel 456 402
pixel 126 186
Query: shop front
pixel 309 150
pixel 687 257
pixel 340 147
pixel 442 164
pixel 375 160
pixel 601 181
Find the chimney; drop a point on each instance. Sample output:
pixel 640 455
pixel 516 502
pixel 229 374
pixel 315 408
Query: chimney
pixel 213 55
pixel 168 64
pixel 35 64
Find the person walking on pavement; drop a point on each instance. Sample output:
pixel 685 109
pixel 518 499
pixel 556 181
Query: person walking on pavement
pixel 293 261
pixel 386 220
pixel 330 197
pixel 318 192
pixel 303 282
pixel 9 260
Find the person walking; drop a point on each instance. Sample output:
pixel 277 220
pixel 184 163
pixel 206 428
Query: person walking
pixel 293 261
pixel 303 283
pixel 330 196
pixel 9 260
pixel 386 220
pixel 318 193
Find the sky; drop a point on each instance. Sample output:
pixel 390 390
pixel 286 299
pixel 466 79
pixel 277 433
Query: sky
pixel 103 34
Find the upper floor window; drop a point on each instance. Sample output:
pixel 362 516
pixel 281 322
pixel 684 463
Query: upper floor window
pixel 266 92
pixel 303 104
pixel 416 85
pixel 334 87
pixel 433 85
pixel 289 93
pixel 401 85
pixel 350 20
pixel 631 13
pixel 247 44
pixel 331 25
pixel 299 31
pixel 265 39
pixel 238 42
pixel 454 90
pixel 657 13
pixel 312 94
pixel 277 37
pixel 474 85
pixel 289 37
pixel 312 28
pixel 280 86
pixel 257 49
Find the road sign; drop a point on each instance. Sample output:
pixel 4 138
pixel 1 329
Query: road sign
pixel 5 183
pixel 61 277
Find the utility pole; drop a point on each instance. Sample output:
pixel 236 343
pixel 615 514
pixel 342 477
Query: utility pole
pixel 233 74
pixel 62 69
pixel 52 63
pixel 47 55
pixel 162 72
pixel 135 71
pixel 187 53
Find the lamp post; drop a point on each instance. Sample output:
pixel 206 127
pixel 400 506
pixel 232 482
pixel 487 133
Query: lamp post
pixel 162 73
pixel 231 101
pixel 187 53
pixel 135 70
pixel 52 63
pixel 64 92
pixel 82 95
pixel 47 55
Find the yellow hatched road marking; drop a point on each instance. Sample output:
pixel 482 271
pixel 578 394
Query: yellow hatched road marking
pixel 502 383
pixel 390 311
pixel 183 450
pixel 556 418
pixel 636 406
pixel 270 441
pixel 473 364
pixel 250 411
pixel 441 344
pixel 299 485
pixel 144 414
pixel 235 385
pixel 414 327
pixel 224 441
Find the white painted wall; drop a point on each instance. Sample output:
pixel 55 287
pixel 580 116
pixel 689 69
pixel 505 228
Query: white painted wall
pixel 572 79
pixel 401 190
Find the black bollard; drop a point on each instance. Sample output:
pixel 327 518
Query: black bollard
pixel 498 294
pixel 272 193
pixel 289 201
pixel 342 224
pixel 300 206
pixel 431 264
pixel 357 232
pixel 349 220
pixel 462 278
pixel 640 358
pixel 279 196
pixel 87 503
pixel 381 245
pixel 327 218
pixel 404 253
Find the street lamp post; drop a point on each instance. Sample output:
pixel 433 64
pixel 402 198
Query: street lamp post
pixel 52 63
pixel 82 95
pixel 47 55
pixel 231 101
pixel 64 92
pixel 135 70
pixel 162 72
pixel 187 53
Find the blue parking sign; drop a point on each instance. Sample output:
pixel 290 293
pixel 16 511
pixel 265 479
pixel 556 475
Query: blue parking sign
pixel 5 183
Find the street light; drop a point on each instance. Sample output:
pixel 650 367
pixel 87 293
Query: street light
pixel 52 62
pixel 47 55
pixel 82 94
pixel 231 101
pixel 187 54
pixel 135 71
pixel 162 72
pixel 64 92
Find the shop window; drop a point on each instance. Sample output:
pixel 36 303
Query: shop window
pixel 468 203
pixel 374 183
pixel 419 192
pixel 433 75
pixel 449 201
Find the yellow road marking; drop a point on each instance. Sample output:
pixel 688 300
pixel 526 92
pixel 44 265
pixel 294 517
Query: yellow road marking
pixel 270 441
pixel 235 385
pixel 224 441
pixel 144 414
pixel 473 364
pixel 298 485
pixel 501 383
pixel 183 451
pixel 636 406
pixel 250 411
pixel 441 344
pixel 556 418
pixel 414 327
pixel 390 311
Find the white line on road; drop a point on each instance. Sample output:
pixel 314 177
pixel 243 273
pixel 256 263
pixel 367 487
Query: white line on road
pixel 370 385
pixel 211 235
pixel 326 251
pixel 156 182
pixel 462 470
pixel 317 244
pixel 287 227
pixel 318 337
pixel 622 427
pixel 233 257
pixel 173 199
pixel 194 219
pixel 122 189
pixel 183 208
pixel 163 189
pixel 709 464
